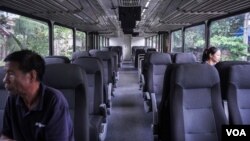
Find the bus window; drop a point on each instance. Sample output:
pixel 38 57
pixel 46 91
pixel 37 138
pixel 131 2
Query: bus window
pixel 63 41
pixel 195 40
pixel 19 32
pixel 176 41
pixel 232 36
pixel 80 41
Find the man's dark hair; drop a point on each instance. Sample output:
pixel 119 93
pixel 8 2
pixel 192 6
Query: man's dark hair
pixel 28 60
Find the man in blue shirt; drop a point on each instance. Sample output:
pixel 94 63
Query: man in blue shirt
pixel 34 111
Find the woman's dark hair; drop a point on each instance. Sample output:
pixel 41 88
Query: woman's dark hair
pixel 211 50
pixel 27 61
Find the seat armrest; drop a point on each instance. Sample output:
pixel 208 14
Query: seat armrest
pixel 142 83
pixel 147 102
pixel 109 102
pixel 225 105
pixel 146 96
pixel 154 108
pixel 103 110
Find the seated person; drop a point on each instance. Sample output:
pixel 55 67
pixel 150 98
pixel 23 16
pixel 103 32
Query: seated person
pixel 34 111
pixel 211 55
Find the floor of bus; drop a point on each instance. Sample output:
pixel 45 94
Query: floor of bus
pixel 128 121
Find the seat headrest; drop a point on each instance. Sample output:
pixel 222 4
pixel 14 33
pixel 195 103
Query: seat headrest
pixel 104 54
pixel 239 75
pixel 160 58
pixel 92 52
pixel 184 58
pixel 56 60
pixel 139 51
pixel 89 64
pixel 79 54
pixel 151 50
pixel 105 49
pixel 192 75
pixel 64 76
pixel 221 66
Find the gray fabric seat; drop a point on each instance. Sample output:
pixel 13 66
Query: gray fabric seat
pixel 195 104
pixel 115 67
pixel 150 50
pixel 137 52
pixel 118 50
pixel 79 54
pixel 144 68
pixel 56 60
pixel 223 69
pixel 238 94
pixel 156 67
pixel 71 80
pixel 97 106
pixel 107 61
pixel 92 52
pixel 184 58
pixel 3 97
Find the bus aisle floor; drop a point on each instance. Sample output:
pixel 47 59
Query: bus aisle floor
pixel 128 121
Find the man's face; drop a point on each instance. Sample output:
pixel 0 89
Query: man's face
pixel 15 81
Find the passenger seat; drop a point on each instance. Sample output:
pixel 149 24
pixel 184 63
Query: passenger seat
pixel 238 94
pixel 71 80
pixel 184 57
pixel 97 107
pixel 56 60
pixel 195 105
pixel 3 97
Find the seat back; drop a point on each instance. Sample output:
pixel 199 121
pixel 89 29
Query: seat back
pixel 107 60
pixel 56 60
pixel 3 97
pixel 184 58
pixel 118 50
pixel 92 52
pixel 196 111
pixel 93 69
pixel 137 52
pixel 223 69
pixel 115 60
pixel 144 69
pixel 158 63
pixel 238 94
pixel 71 80
pixel 79 54
pixel 150 50
pixel 105 49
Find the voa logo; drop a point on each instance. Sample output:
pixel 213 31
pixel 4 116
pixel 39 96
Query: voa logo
pixel 236 132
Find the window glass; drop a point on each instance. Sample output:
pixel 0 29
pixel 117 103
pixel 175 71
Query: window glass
pixel 195 40
pixel 63 41
pixel 19 32
pixel 80 41
pixel 176 41
pixel 232 36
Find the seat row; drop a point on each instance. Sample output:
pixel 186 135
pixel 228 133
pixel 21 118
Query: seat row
pixel 100 71
pixel 171 112
pixel 138 53
pixel 87 85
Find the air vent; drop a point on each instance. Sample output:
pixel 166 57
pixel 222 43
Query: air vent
pixel 129 3
pixel 128 17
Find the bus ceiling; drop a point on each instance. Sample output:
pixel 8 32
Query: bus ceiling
pixel 136 17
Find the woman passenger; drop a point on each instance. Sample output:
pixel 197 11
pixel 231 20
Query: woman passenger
pixel 211 55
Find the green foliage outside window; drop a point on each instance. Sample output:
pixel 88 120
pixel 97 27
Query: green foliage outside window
pixel 228 34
